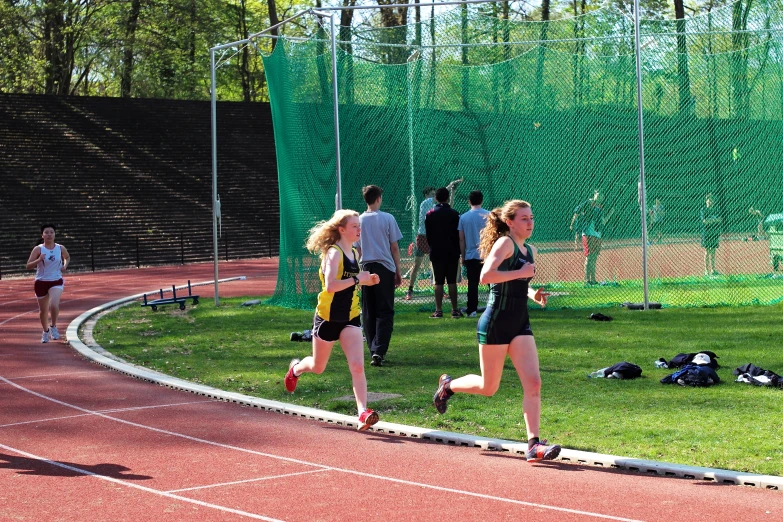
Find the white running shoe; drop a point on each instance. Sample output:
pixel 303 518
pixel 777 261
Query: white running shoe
pixel 45 337
pixel 55 335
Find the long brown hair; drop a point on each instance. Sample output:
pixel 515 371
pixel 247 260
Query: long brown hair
pixel 496 226
pixel 326 233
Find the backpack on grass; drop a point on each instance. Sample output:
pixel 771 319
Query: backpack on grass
pixel 698 375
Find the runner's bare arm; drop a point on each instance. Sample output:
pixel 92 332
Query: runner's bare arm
pixel 66 258
pixel 35 258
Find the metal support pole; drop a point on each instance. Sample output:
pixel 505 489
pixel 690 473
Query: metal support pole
pixel 214 172
pixel 336 100
pixel 411 63
pixel 642 185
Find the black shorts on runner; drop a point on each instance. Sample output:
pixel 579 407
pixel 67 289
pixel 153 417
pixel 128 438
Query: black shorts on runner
pixel 445 270
pixel 329 331
pixel 501 326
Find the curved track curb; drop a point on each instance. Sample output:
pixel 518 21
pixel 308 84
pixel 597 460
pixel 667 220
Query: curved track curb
pixel 100 356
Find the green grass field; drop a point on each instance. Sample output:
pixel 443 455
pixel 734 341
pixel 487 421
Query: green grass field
pixel 685 292
pixel 732 426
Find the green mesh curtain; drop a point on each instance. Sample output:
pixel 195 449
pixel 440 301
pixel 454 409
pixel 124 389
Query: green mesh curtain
pixel 547 112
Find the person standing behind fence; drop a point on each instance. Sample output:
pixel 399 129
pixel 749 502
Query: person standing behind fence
pixel 504 327
pixel 442 224
pixel 337 313
pixel 590 219
pixel 710 220
pixel 470 225
pixel 655 215
pixel 49 260
pixel 380 254
pixel 422 247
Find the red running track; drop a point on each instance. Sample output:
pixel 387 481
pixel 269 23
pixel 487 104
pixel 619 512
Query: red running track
pixel 79 442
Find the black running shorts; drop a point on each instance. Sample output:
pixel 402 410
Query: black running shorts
pixel 329 331
pixel 501 326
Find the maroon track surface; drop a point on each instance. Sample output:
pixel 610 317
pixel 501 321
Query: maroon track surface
pixel 79 442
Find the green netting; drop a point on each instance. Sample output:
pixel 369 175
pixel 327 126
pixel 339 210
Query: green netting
pixel 547 112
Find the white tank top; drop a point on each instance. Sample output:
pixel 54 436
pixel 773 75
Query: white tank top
pixel 49 269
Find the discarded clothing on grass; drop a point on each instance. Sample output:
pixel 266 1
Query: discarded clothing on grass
pixel 700 375
pixel 304 337
pixel 597 316
pixel 751 374
pixel 682 359
pixel 621 370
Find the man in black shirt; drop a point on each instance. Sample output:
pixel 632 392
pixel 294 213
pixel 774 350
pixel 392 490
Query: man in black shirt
pixel 441 224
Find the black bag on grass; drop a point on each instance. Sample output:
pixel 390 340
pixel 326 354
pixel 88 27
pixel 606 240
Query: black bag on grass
pixel 682 359
pixel 752 374
pixel 623 370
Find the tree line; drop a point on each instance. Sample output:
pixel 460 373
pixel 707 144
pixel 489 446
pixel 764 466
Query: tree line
pixel 160 48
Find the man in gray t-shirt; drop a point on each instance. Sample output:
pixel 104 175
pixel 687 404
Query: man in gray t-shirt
pixel 380 254
pixel 471 223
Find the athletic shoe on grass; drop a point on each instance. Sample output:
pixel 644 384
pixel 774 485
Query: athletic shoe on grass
pixel 437 314
pixel 456 314
pixel 541 451
pixel 45 337
pixel 367 419
pixel 409 295
pixel 441 395
pixel 290 378
pixel 377 360
pixel 53 333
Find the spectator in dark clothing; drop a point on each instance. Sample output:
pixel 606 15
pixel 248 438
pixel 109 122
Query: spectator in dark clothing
pixel 442 224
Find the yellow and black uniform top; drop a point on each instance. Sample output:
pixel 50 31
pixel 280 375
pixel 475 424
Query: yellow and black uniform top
pixel 341 306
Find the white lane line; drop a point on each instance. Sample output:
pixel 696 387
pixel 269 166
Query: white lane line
pixel 36 310
pixel 74 291
pixel 57 374
pixel 113 410
pixel 137 486
pixel 321 466
pixel 248 480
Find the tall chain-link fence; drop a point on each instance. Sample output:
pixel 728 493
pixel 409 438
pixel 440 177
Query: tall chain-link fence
pixel 547 112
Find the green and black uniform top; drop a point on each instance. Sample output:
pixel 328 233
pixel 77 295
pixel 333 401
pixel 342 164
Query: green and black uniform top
pixel 511 294
pixel 342 306
pixel 506 316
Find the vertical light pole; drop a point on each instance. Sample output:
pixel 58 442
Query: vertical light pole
pixel 214 172
pixel 336 100
pixel 414 209
pixel 642 186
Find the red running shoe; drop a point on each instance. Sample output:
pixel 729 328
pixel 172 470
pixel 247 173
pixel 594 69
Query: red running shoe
pixel 441 395
pixel 367 419
pixel 290 378
pixel 540 451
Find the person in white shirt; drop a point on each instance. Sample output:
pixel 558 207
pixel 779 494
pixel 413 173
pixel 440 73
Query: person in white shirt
pixel 380 254
pixel 49 260
pixel 421 248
